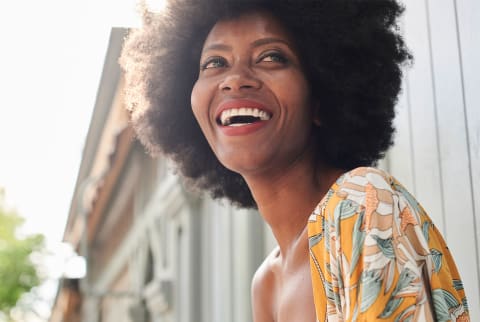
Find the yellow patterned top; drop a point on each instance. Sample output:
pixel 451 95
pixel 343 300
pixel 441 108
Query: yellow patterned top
pixel 375 255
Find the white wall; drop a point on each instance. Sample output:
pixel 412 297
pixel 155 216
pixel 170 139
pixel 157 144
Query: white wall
pixel 437 150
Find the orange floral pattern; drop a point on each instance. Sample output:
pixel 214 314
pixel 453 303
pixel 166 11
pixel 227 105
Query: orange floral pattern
pixel 376 256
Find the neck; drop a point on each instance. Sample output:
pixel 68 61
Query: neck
pixel 287 199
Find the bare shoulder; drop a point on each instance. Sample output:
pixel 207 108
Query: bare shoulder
pixel 263 289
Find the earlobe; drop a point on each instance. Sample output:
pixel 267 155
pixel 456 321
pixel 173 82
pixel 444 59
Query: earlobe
pixel 316 114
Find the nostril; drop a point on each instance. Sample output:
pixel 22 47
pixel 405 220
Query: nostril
pixel 239 82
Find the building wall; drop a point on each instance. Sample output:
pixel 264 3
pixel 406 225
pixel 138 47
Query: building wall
pixel 437 150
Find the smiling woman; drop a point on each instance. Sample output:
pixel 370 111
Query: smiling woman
pixel 250 63
pixel 349 54
pixel 292 101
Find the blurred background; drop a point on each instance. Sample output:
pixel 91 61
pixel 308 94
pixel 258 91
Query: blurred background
pixel 112 235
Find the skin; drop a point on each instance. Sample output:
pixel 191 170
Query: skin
pixel 254 57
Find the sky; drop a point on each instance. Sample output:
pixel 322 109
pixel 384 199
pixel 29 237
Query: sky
pixel 51 58
pixel 50 64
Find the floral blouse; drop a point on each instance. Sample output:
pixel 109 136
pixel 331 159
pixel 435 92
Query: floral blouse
pixel 375 255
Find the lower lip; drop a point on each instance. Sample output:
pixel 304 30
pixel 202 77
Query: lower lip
pixel 242 130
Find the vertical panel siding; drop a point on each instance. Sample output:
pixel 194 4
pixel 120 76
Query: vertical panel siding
pixel 455 163
pixel 231 250
pixel 423 115
pixel 400 159
pixel 438 121
pixel 248 239
pixel 221 258
pixel 468 29
pixel 207 267
pixel 241 269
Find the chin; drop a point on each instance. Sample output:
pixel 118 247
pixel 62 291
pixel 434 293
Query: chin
pixel 244 163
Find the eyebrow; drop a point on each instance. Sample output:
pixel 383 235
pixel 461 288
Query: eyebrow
pixel 218 47
pixel 269 40
pixel 256 43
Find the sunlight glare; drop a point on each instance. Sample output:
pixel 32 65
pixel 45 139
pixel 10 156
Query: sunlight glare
pixel 156 5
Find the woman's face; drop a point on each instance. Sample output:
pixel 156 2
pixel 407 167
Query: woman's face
pixel 252 98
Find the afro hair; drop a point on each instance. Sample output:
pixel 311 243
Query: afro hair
pixel 352 55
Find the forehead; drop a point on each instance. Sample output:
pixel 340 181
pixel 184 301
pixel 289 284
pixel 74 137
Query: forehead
pixel 248 26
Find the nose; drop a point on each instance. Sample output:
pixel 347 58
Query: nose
pixel 240 79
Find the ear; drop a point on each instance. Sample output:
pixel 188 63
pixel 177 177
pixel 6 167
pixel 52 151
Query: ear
pixel 316 113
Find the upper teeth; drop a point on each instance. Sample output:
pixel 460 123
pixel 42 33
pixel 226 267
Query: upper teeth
pixel 243 111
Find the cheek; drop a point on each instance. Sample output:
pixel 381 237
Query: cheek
pixel 296 95
pixel 195 100
pixel 300 112
pixel 200 102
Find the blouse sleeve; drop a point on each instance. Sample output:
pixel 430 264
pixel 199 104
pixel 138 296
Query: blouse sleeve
pixel 376 256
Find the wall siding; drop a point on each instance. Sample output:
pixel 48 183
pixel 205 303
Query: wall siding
pixel 468 35
pixel 438 121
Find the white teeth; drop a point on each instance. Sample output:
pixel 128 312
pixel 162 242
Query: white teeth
pixel 243 111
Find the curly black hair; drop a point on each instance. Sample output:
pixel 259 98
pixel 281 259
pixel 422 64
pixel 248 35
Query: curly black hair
pixel 352 55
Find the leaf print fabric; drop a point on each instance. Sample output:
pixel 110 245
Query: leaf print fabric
pixel 375 255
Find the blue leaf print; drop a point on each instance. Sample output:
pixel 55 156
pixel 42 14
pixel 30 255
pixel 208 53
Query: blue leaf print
pixel 328 195
pixel 339 275
pixel 329 290
pixel 329 268
pixel 465 304
pixel 443 301
pixel 458 285
pixel 386 246
pixel 326 230
pixel 451 300
pixel 426 231
pixel 404 280
pixel 338 300
pixel 345 209
pixel 371 284
pixel 437 259
pixel 408 311
pixel 410 199
pixel 357 241
pixel 392 305
pixel 314 240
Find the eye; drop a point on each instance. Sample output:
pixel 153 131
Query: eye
pixel 273 57
pixel 214 62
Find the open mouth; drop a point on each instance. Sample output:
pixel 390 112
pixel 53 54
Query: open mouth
pixel 242 116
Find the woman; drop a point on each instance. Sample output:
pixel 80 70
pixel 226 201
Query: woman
pixel 292 101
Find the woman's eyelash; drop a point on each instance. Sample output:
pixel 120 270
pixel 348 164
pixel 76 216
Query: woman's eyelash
pixel 275 57
pixel 213 62
pixel 220 62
